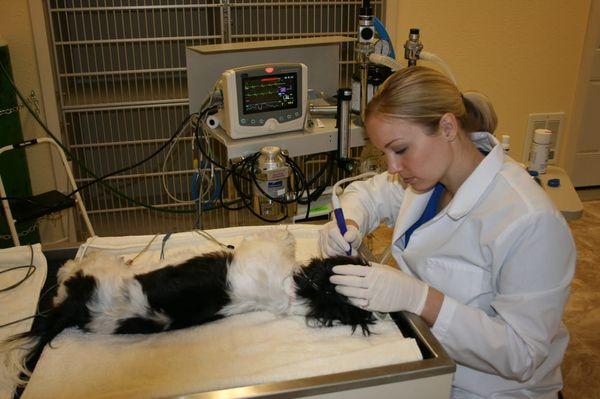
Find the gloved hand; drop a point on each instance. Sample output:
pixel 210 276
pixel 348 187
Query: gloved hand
pixel 331 241
pixel 380 288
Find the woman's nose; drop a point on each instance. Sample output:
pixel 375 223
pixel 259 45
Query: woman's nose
pixel 394 165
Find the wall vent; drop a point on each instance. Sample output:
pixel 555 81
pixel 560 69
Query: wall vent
pixel 553 122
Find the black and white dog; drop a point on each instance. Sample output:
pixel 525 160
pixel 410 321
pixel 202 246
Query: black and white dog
pixel 101 294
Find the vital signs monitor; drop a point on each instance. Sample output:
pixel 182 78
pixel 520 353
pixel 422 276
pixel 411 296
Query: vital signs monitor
pixel 264 99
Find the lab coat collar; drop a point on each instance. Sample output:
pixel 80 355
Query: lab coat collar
pixel 411 209
pixel 414 203
pixel 477 183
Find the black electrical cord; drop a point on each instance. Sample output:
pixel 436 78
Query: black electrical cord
pixel 27 276
pixel 318 191
pixel 303 187
pixel 155 153
pixel 197 129
pixel 81 164
pixel 247 165
pixel 31 268
pixel 234 174
pixel 301 184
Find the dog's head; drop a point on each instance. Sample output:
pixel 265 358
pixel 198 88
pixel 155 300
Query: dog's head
pixel 326 307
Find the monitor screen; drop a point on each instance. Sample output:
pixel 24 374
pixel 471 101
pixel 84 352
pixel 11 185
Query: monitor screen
pixel 269 92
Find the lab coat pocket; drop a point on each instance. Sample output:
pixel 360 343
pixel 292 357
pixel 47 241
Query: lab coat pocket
pixel 459 280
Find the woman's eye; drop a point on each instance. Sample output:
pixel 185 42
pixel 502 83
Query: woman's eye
pixel 400 151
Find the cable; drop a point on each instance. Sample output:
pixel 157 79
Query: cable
pixel 205 109
pixel 317 192
pixel 200 175
pixel 156 152
pixel 200 126
pixel 304 187
pixel 20 320
pixel 209 237
pixel 79 163
pixel 31 268
pixel 130 261
pixel 245 199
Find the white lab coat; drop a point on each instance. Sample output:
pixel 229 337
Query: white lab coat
pixel 503 256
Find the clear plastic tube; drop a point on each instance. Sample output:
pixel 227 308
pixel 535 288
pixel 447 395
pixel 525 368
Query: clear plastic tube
pixel 427 56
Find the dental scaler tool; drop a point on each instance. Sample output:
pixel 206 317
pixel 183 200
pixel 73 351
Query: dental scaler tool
pixel 337 207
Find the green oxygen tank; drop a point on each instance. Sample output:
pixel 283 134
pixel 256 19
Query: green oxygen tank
pixel 13 164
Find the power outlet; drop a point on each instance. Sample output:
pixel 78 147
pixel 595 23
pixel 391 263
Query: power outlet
pixel 553 122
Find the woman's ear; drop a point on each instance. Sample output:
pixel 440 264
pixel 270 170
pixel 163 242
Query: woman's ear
pixel 448 126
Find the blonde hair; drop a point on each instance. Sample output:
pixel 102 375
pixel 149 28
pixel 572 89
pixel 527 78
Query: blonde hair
pixel 422 95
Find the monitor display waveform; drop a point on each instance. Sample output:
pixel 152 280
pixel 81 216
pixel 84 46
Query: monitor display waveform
pixel 269 92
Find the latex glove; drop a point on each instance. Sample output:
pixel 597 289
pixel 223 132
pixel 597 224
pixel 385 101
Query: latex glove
pixel 331 241
pixel 380 288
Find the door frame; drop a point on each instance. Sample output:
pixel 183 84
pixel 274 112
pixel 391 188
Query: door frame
pixel 590 44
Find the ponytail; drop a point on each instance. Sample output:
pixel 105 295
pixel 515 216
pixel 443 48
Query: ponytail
pixel 481 116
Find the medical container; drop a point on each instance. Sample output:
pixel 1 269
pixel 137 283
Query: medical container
pixel 540 147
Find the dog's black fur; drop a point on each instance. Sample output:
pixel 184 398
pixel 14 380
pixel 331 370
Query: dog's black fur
pixel 193 293
pixel 327 307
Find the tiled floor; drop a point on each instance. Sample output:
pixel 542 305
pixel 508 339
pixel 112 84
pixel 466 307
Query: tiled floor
pixel 581 366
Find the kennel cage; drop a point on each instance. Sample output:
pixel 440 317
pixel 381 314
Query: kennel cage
pixel 120 75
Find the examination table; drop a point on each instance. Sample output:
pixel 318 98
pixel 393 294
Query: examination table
pixel 255 355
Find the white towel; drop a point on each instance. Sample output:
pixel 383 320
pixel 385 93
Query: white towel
pixel 242 350
pixel 21 301
pixel 238 351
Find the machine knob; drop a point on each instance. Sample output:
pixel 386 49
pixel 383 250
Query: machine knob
pixel 271 124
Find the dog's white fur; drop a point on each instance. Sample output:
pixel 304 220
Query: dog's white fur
pixel 259 278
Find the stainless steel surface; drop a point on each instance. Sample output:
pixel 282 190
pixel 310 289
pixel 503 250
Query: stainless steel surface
pixel 329 110
pixel 344 97
pixel 412 47
pixel 271 178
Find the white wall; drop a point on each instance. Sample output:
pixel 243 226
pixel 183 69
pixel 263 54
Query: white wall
pixel 524 54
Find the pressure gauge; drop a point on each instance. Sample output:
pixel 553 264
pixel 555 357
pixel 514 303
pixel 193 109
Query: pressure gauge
pixel 382 47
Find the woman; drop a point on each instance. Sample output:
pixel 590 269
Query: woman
pixel 484 257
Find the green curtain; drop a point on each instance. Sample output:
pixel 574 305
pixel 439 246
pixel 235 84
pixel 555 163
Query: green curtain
pixel 13 164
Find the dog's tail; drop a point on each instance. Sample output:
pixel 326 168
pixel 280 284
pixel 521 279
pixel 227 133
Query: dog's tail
pixel 14 352
pixel 20 352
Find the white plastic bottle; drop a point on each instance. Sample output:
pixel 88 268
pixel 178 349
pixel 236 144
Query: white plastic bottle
pixel 540 147
pixel 505 143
